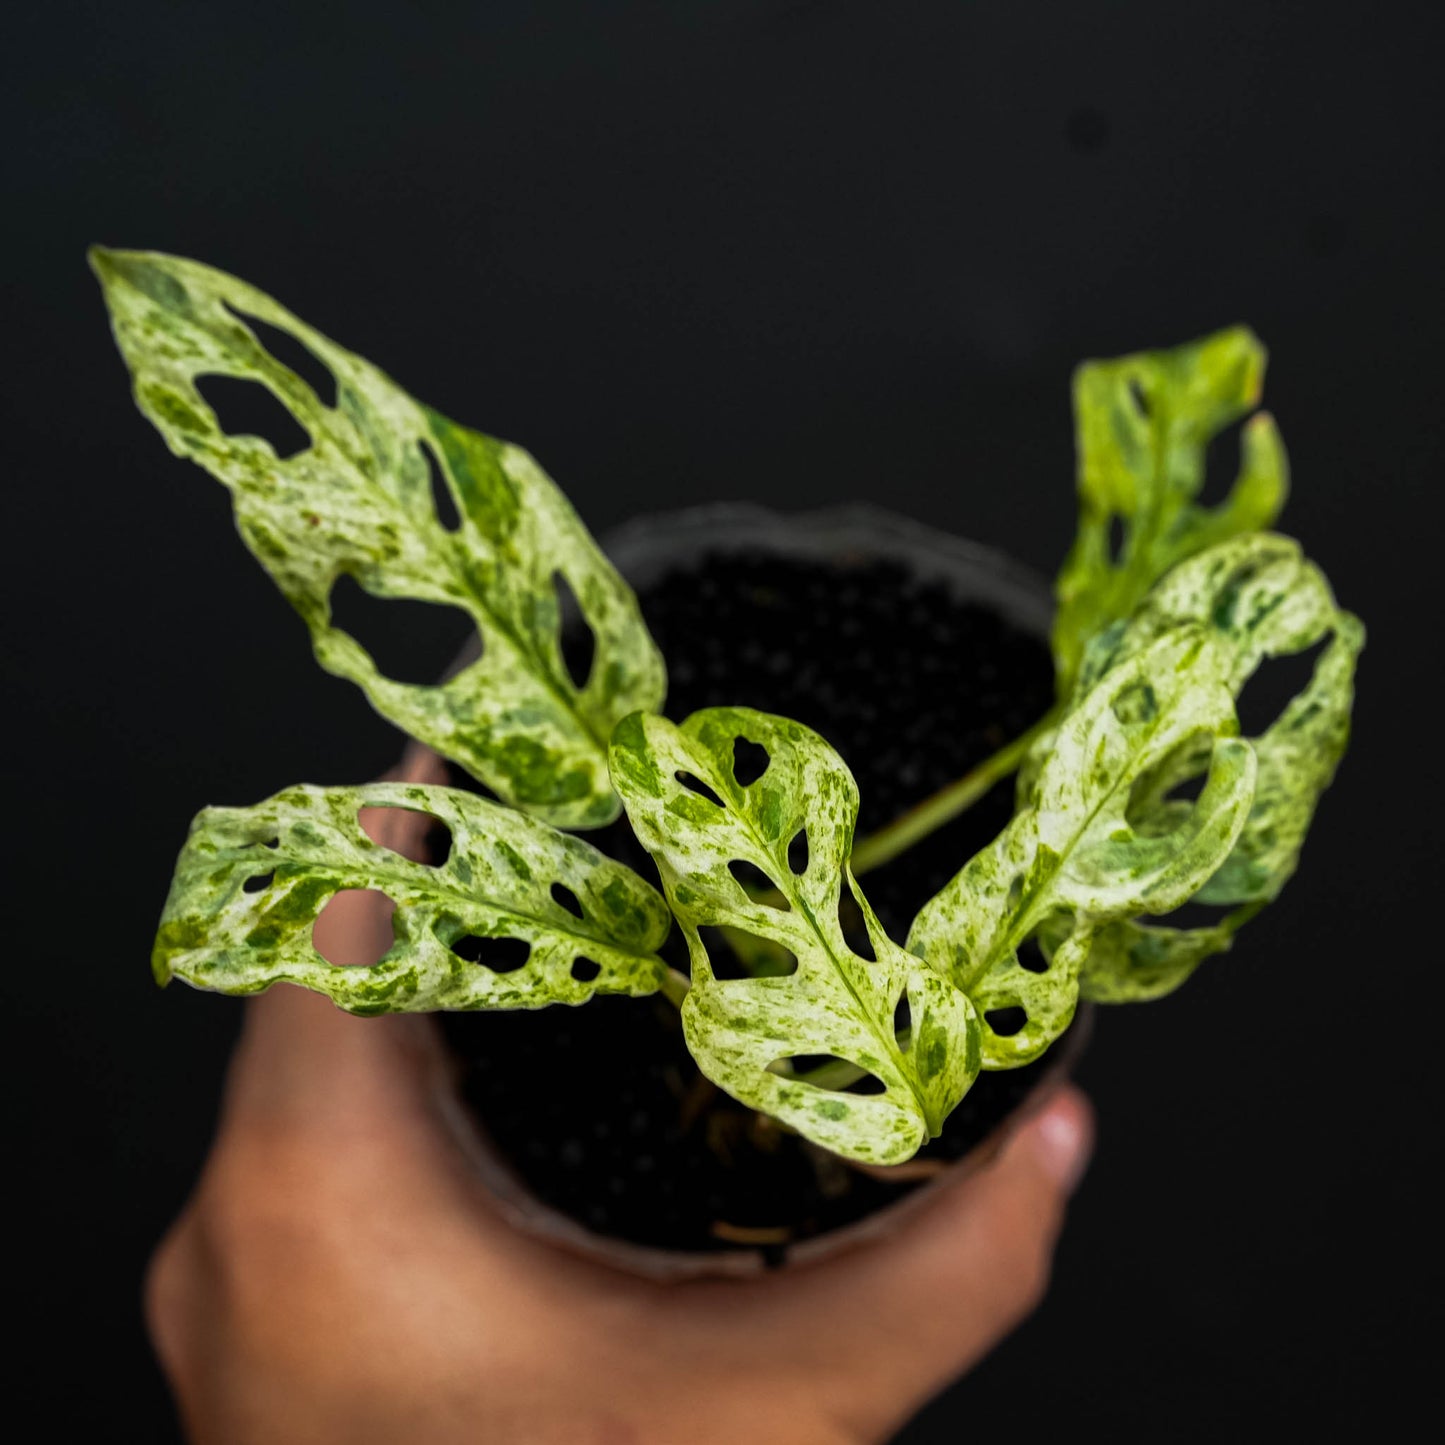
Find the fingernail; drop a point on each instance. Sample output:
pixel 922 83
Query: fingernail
pixel 1062 1140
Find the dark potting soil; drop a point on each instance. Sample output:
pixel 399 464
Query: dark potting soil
pixel 600 1109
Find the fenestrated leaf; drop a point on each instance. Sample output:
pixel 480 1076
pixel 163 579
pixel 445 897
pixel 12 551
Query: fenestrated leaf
pixel 1259 598
pixel 1132 962
pixel 743 1032
pixel 1073 860
pixel 1143 424
pixel 358 501
pixel 306 844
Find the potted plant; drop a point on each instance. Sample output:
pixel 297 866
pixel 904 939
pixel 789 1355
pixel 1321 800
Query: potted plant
pixel 832 1045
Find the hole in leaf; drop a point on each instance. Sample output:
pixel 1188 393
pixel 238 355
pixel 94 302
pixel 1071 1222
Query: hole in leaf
pixel 501 955
pixel 293 353
pixel 584 970
pixel 837 1076
pixel 1139 398
pixel 1222 458
pixel 246 408
pixel 1031 957
pixel 564 897
pixel 758 886
pixel 696 785
pixel 673 950
pixel 1006 1022
pixel 1118 537
pixel 1188 791
pixel 737 953
pixel 1188 763
pixel 436 843
pixel 1136 704
pixel 442 501
pixel 1192 915
pixel 903 1021
pixel 409 641
pixel 272 843
pixel 798 853
pixel 750 761
pixel 854 925
pixel 1274 685
pixel 259 883
pixel 355 928
pixel 414 835
pixel 577 640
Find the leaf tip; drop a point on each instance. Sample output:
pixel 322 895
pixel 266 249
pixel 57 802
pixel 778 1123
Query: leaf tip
pixel 1243 344
pixel 105 266
pixel 110 265
pixel 1244 336
pixel 161 965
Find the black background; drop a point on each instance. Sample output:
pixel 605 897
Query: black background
pixel 793 253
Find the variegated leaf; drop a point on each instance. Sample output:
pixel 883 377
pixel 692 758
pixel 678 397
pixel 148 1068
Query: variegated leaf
pixel 1259 598
pixel 358 501
pixel 747 1034
pixel 1074 859
pixel 1132 962
pixel 251 882
pixel 1143 423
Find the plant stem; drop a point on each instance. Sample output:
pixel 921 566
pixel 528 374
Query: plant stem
pixel 946 804
pixel 674 987
pixel 835 1075
pixel 889 842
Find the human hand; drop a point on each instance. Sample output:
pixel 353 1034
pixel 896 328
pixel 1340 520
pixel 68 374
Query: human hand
pixel 341 1274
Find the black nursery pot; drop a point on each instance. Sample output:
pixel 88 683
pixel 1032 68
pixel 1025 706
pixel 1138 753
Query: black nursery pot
pixel 916 655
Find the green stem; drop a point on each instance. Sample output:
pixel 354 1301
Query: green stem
pixel 674 987
pixel 946 804
pixel 901 834
pixel 836 1075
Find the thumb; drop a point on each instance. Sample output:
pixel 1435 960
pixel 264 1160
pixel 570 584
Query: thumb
pixel 938 1296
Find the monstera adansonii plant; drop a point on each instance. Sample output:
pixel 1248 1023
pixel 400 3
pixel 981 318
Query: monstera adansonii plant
pixel 1136 793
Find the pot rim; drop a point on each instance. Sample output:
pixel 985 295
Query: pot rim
pixel 643 549
pixel 970 570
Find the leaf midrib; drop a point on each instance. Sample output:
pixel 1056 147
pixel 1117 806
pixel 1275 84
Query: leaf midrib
pixel 734 792
pixel 375 488
pixel 350 876
pixel 1029 914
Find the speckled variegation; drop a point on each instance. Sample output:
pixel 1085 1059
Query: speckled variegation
pixel 495 883
pixel 1142 425
pixel 358 501
pixel 1075 859
pixel 1258 597
pixel 742 1032
pixel 1100 849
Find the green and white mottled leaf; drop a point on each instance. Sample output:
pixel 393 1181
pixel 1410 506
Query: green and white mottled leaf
pixel 744 1032
pixel 306 844
pixel 1143 424
pixel 1259 598
pixel 1133 962
pixel 358 502
pixel 1074 859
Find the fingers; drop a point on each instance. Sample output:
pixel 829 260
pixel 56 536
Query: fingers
pixel 931 1301
pixel 302 1058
